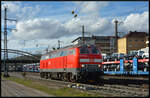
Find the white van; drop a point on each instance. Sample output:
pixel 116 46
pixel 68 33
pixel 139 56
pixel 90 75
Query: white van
pixel 145 55
pixel 104 56
pixel 140 53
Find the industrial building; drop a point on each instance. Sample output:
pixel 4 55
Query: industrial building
pixel 105 43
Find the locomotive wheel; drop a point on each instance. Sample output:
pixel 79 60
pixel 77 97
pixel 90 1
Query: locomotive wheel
pixel 73 78
pixel 62 77
pixel 41 75
pixel 46 75
pixel 66 77
pixel 59 76
pixel 49 76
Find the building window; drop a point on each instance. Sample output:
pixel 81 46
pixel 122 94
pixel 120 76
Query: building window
pixel 136 45
pixel 130 40
pixel 142 40
pixel 136 40
pixel 130 45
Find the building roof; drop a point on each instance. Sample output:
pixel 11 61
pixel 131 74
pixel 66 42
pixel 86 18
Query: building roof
pixel 135 34
pixel 93 37
pixel 79 38
pixel 98 37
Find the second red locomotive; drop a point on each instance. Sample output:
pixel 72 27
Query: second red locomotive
pixel 73 63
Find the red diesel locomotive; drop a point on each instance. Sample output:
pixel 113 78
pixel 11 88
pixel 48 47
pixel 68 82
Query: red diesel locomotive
pixel 73 63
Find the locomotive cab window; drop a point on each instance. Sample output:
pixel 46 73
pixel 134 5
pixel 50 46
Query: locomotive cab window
pixel 42 58
pixel 71 52
pixel 84 50
pixel 94 50
pixel 63 53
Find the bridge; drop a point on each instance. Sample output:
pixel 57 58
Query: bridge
pixel 32 58
pixel 21 61
pixel 21 53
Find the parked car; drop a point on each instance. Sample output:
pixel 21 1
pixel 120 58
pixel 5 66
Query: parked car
pixel 140 53
pixel 121 55
pixel 132 54
pixel 145 55
pixel 114 56
pixel 104 56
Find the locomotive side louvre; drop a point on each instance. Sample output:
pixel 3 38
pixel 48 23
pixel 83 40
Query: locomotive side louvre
pixel 60 63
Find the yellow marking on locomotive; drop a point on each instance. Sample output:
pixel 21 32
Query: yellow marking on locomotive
pixel 91 80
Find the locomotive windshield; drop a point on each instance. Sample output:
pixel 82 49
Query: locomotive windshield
pixel 84 50
pixel 94 50
pixel 89 50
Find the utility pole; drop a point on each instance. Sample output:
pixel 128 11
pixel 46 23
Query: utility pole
pixel 5 42
pixel 83 34
pixel 24 42
pixel 47 49
pixel 116 34
pixel 58 44
pixel 75 15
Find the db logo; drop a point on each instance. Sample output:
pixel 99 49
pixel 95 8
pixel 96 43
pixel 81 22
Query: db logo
pixel 91 60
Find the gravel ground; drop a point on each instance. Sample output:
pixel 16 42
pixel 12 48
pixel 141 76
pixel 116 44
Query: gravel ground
pixel 12 89
pixel 112 91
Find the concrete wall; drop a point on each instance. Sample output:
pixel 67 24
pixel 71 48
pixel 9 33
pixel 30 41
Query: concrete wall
pixel 122 45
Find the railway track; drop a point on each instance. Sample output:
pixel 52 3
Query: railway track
pixel 107 89
pixel 118 80
pixel 126 77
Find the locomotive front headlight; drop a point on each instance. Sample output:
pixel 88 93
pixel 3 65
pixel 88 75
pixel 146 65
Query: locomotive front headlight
pixel 99 65
pixel 82 65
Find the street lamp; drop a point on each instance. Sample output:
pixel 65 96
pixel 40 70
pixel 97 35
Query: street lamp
pixel 116 32
pixel 75 15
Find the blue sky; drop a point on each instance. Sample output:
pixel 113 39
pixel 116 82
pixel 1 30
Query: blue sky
pixel 49 22
pixel 118 8
pixel 124 8
pixel 58 9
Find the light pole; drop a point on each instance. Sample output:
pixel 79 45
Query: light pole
pixel 116 33
pixel 75 15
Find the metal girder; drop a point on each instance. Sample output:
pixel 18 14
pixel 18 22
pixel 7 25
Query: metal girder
pixel 21 52
pixel 21 61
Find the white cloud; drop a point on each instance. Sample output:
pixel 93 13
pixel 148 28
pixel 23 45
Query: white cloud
pixel 91 7
pixel 136 22
pixel 13 7
pixel 19 12
pixel 39 28
pixel 28 12
pixel 44 28
pixel 94 26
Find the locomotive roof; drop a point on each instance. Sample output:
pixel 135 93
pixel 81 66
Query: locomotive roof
pixel 66 47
